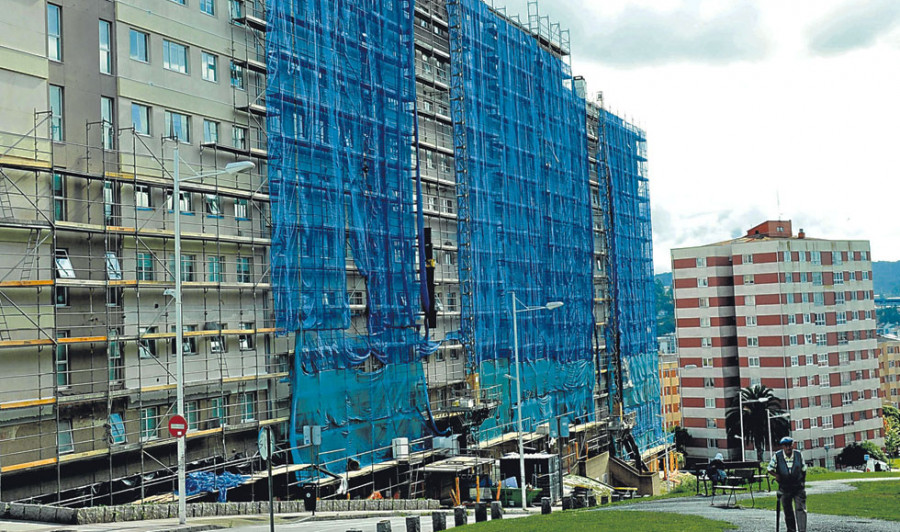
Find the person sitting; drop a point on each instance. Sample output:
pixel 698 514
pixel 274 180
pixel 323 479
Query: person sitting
pixel 715 471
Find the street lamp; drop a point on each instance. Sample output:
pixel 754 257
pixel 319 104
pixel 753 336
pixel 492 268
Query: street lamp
pixel 230 168
pixel 548 306
pixel 741 410
pixel 769 418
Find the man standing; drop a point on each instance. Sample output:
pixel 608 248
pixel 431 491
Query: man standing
pixel 790 471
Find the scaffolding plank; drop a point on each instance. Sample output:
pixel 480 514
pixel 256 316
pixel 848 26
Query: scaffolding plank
pixel 28 465
pixel 24 284
pixel 25 343
pixel 27 403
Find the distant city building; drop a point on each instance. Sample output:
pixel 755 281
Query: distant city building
pixel 668 344
pixel 670 385
pixel 889 366
pixel 792 313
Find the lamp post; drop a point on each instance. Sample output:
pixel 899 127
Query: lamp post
pixel 549 306
pixel 769 418
pixel 230 168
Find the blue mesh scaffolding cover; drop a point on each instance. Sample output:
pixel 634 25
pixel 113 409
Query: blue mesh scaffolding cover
pixel 526 222
pixel 340 100
pixel 626 209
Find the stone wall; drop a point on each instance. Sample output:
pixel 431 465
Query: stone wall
pixel 138 512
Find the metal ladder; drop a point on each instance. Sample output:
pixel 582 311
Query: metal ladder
pixel 31 253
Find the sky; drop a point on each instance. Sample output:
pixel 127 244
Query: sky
pixel 754 110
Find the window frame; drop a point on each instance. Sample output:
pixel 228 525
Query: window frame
pixel 57 99
pixel 209 71
pixel 145 114
pixel 180 128
pixel 54 33
pixel 138 45
pixel 105 49
pixel 176 57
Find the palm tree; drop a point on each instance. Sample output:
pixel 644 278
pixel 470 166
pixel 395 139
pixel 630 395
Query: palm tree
pixel 761 408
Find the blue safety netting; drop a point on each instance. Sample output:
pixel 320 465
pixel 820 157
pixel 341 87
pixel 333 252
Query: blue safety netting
pixel 524 215
pixel 208 482
pixel 632 330
pixel 340 102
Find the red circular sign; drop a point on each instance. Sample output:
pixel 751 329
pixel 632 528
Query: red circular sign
pixel 177 426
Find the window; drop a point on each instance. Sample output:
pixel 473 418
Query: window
pixel 786 256
pixel 821 339
pixel 115 359
pixel 147 346
pixel 701 262
pixel 64 438
pixel 841 318
pixel 217 412
pixel 192 415
pixel 208 7
pixel 239 137
pixel 57 121
pixel 178 1
pixel 113 269
pixel 116 429
pixel 237 76
pixel 819 299
pixel 710 423
pixel 138 45
pixel 64 269
pixel 175 57
pixel 704 322
pixel 142 197
pixel 826 399
pixel 185 203
pixel 748 279
pixel 178 126
pixel 847 398
pixel 246 340
pixel 244 270
pixel 750 300
pixel 712 443
pixel 709 402
pixel 149 423
pixel 748 259
pixel 709 382
pixel 140 118
pixel 838 277
pixel 752 341
pixel 825 380
pixel 248 407
pixel 208 67
pixel 188 268
pixel 820 318
pixel 62 360
pixel 189 343
pixel 751 321
pixel 145 266
pixel 54 32
pixel 215 267
pixel 210 132
pixel 105 50
pixel 707 362
pixel 240 209
pixel 795 361
pixel 792 339
pixel 755 381
pixel 817 278
pixel 213 205
pixel 107 125
pixel 704 302
pixel 218 344
pixel 837 258
pixel 753 362
pixel 59 197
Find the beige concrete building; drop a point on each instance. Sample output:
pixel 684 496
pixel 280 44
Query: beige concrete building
pixel 795 314
pixel 671 390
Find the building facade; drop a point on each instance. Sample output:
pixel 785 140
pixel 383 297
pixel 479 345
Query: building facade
pixel 792 313
pixel 889 366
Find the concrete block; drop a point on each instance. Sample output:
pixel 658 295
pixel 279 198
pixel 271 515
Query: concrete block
pixel 383 526
pixel 496 510
pixel 434 504
pixel 16 510
pixel 326 505
pixel 45 513
pixel 460 517
pixel 413 524
pixel 438 521
pixel 480 512
pixel 31 512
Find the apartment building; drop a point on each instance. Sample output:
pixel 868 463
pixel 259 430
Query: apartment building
pixel 671 390
pixel 889 369
pixel 97 95
pixel 793 313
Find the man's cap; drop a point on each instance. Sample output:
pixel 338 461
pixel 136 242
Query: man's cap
pixel 787 440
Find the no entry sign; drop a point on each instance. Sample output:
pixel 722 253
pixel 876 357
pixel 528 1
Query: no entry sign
pixel 177 426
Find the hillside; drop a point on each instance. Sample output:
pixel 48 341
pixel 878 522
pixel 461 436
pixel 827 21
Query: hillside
pixel 886 276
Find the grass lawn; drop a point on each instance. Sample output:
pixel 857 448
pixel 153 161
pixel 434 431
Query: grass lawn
pixel 833 475
pixel 877 500
pixel 579 521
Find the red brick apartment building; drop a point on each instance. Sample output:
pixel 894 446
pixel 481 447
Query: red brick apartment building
pixel 793 313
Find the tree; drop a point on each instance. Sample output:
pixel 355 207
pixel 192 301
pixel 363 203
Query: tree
pixel 761 408
pixel 854 454
pixel 682 438
pixel 891 430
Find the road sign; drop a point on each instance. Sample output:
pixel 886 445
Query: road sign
pixel 177 426
pixel 264 440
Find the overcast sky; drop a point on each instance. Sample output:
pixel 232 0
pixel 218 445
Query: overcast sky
pixel 754 109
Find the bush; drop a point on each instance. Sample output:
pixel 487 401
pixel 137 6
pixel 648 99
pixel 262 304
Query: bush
pixel 854 454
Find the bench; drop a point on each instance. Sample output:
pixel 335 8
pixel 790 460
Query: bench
pixel 739 480
pixel 741 475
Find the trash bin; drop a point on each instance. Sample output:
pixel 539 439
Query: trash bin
pixel 308 491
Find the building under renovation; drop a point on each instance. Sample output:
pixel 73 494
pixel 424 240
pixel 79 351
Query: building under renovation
pixel 418 168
